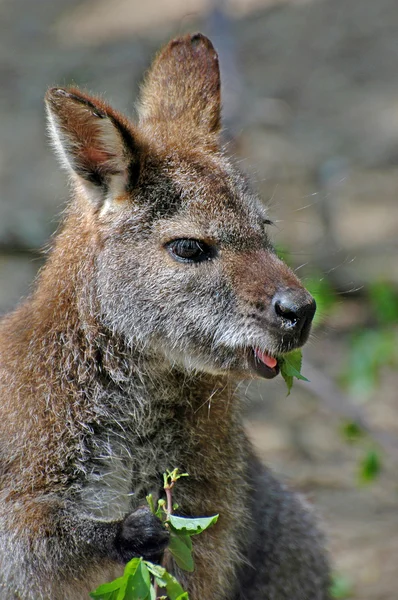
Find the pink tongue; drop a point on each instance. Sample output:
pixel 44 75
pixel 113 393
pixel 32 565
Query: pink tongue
pixel 268 360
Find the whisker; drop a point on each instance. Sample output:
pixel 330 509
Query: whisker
pixel 301 266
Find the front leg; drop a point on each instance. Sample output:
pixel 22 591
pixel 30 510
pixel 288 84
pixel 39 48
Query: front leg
pixel 54 551
pixel 140 533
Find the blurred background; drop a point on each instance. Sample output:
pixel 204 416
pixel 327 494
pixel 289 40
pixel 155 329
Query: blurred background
pixel 310 94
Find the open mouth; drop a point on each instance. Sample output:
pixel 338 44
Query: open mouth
pixel 263 364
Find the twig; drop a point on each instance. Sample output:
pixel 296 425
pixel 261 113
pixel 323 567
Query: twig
pixel 169 510
pixel 167 489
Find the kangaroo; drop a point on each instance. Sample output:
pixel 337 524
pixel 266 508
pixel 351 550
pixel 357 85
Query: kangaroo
pixel 161 292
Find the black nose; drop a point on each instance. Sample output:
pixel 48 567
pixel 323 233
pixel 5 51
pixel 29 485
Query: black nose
pixel 294 309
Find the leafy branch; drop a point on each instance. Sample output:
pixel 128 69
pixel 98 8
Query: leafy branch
pixel 142 579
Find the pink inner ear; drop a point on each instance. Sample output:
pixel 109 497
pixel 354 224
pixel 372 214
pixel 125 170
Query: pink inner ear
pixel 96 156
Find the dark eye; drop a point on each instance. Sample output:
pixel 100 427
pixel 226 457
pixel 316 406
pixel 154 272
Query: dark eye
pixel 188 250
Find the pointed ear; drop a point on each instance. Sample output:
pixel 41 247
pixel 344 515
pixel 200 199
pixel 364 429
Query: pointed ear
pixel 93 142
pixel 182 91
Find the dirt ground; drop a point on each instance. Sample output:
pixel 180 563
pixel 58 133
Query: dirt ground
pixel 310 104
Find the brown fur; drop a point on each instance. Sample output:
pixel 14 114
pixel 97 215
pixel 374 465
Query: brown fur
pixel 124 360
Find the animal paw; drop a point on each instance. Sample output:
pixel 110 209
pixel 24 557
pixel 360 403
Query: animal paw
pixel 141 533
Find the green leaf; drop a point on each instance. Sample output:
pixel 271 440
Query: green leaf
pixel 170 477
pixel 184 537
pixel 341 587
pixel 173 588
pixel 352 432
pixel 370 467
pixel 152 595
pixel 108 591
pixel 134 585
pixel 155 570
pixel 130 569
pixel 151 503
pixel 159 511
pixel 290 366
pixel 98 595
pixel 191 525
pixel 139 584
pixel 164 579
pixel 384 300
pixel 180 546
pixel 132 566
pixel 371 350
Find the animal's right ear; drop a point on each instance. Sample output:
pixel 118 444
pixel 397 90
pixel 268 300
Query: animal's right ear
pixel 94 143
pixel 180 99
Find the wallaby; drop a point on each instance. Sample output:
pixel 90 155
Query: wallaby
pixel 161 292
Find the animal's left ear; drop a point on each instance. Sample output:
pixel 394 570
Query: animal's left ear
pixel 93 142
pixel 181 95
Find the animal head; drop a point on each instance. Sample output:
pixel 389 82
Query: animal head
pixel 183 264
